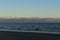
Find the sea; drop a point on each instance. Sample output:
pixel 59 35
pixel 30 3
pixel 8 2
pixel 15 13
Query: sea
pixel 7 35
pixel 31 26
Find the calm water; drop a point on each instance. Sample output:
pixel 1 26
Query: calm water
pixel 31 26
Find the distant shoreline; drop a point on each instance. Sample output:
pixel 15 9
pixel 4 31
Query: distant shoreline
pixel 31 20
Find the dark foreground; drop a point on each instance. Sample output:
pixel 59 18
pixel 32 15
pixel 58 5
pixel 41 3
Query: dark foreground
pixel 5 35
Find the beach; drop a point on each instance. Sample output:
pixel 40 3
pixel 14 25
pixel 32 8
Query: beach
pixel 10 35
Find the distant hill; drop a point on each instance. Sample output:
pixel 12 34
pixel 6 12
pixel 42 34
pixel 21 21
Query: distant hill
pixel 31 20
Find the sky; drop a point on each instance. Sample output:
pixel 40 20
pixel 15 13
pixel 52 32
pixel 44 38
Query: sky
pixel 30 8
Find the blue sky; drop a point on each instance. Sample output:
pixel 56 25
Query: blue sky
pixel 30 8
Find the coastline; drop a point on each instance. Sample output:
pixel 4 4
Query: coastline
pixel 13 35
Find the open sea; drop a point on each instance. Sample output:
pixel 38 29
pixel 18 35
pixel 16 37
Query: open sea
pixel 9 35
pixel 31 26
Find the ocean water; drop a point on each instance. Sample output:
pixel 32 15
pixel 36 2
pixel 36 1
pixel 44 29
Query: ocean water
pixel 31 26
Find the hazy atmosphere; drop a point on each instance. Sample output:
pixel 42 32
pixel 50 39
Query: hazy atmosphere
pixel 30 8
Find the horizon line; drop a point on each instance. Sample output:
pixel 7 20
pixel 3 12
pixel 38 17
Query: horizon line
pixel 27 17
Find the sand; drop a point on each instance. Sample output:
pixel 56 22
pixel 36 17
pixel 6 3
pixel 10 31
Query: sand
pixel 9 35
